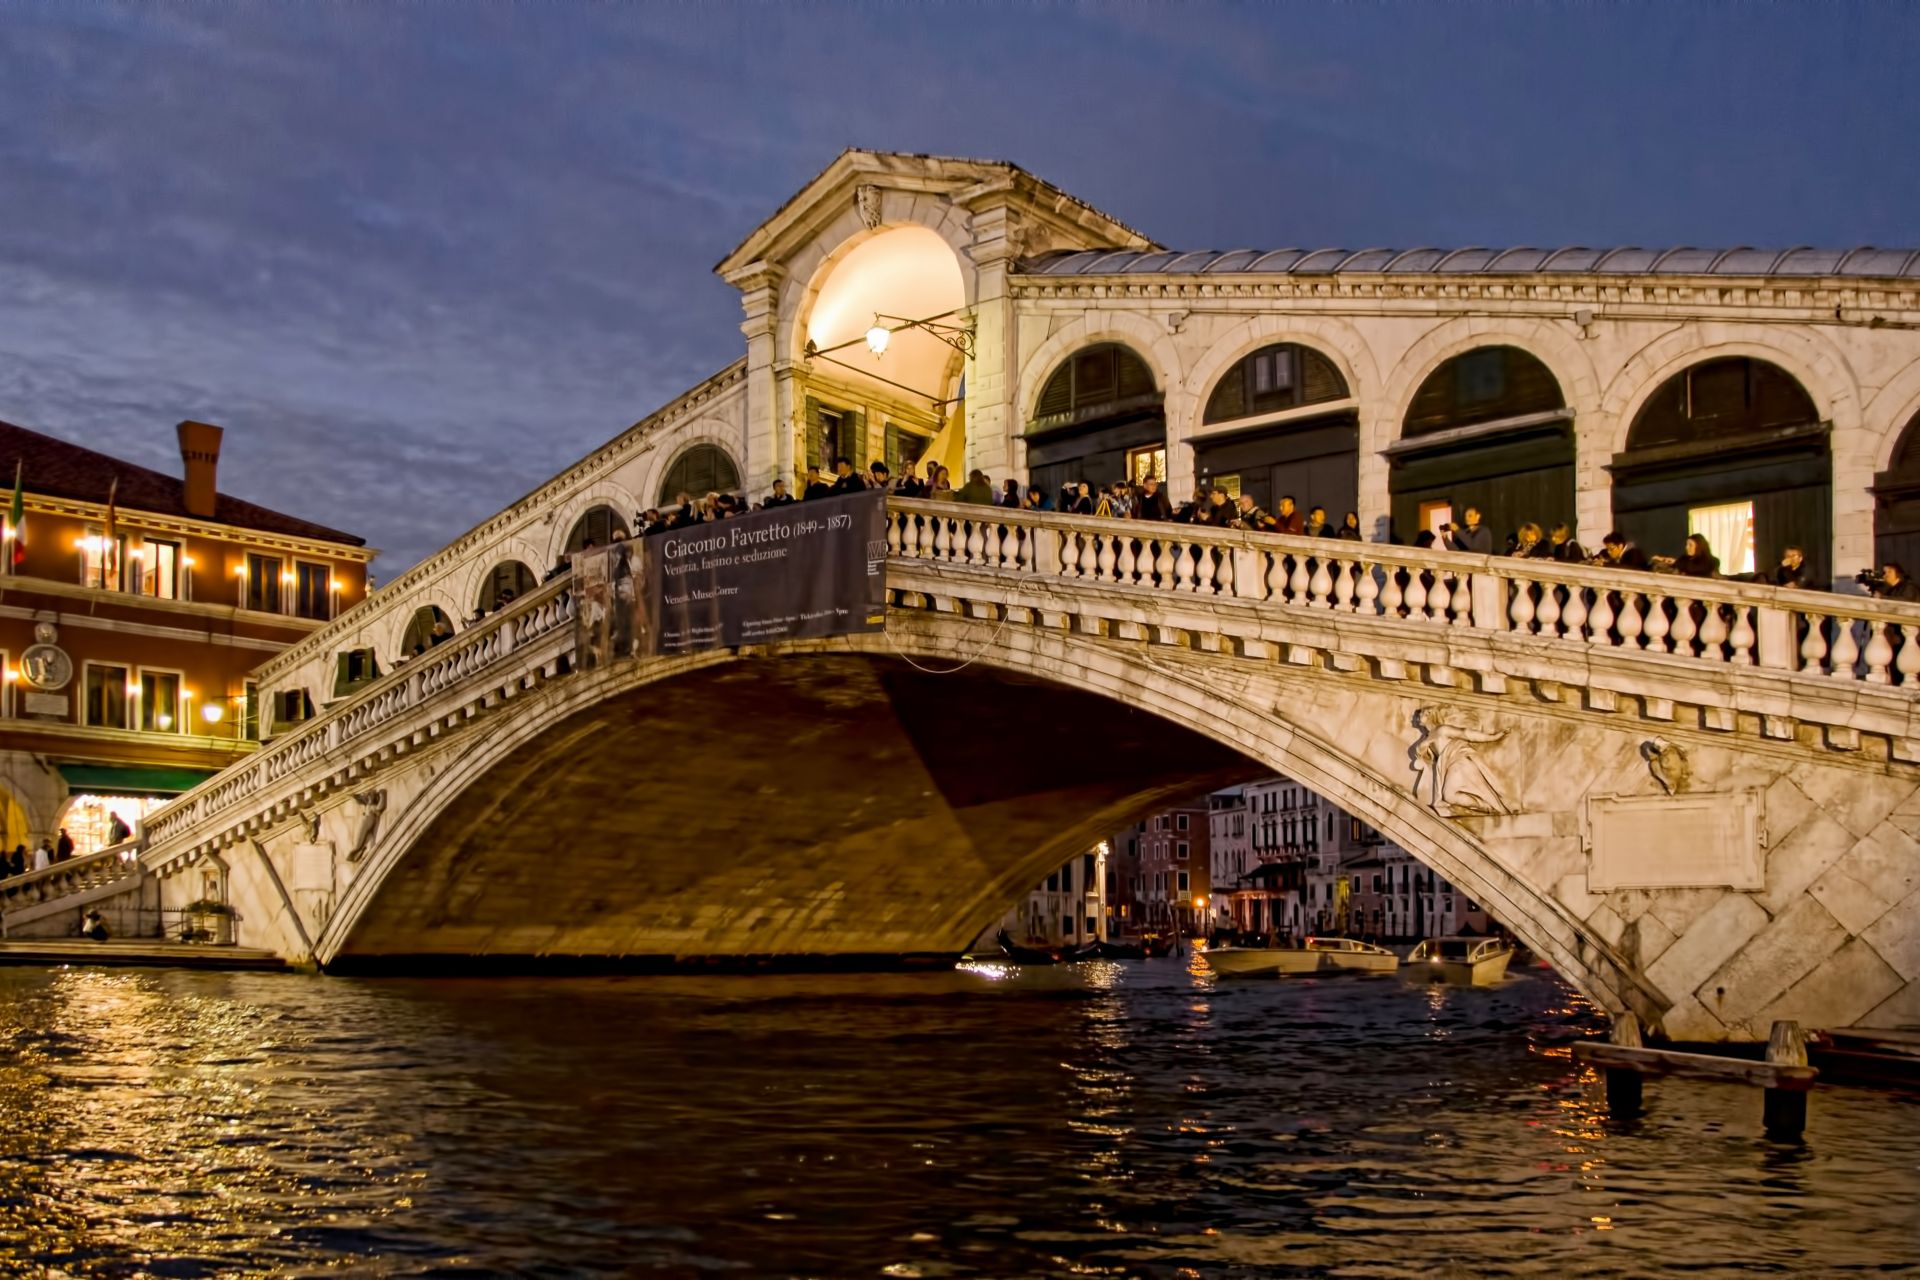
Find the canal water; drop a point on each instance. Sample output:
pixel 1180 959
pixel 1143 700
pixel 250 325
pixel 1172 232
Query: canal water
pixel 1109 1120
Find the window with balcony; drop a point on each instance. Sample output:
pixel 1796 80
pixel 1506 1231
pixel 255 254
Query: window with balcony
pixel 107 702
pixel 100 559
pixel 312 591
pixel 264 590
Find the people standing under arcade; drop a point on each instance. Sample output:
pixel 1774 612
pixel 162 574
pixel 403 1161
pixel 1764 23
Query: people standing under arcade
pixel 1618 553
pixel 1009 494
pixel 1037 500
pixel 1250 516
pixel 910 484
pixel 1316 525
pixel 1792 570
pixel 779 497
pixel 63 847
pixel 978 490
pixel 43 856
pixel 1531 543
pixel 1287 517
pixel 816 486
pixel 1349 530
pixel 845 480
pixel 1082 504
pixel 1698 560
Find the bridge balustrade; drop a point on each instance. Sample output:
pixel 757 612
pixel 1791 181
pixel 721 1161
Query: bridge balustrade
pixel 63 879
pixel 1708 620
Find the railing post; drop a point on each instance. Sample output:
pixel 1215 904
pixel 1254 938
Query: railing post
pixel 1046 550
pixel 1490 601
pixel 1249 574
pixel 1776 646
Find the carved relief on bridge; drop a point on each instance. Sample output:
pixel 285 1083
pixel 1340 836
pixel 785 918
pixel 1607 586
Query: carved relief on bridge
pixel 1450 775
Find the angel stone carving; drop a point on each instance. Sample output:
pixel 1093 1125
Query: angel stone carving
pixel 372 805
pixel 1449 776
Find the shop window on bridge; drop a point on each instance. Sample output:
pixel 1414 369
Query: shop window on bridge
pixel 1314 458
pixel 428 626
pixel 1098 412
pixel 504 583
pixel 904 447
pixel 291 707
pixel 594 528
pixel 1729 442
pixel 698 471
pixel 354 669
pixel 1490 429
pixel 1896 503
pixel 833 433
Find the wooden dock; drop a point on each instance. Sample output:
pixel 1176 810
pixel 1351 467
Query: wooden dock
pixel 136 952
pixel 1784 1077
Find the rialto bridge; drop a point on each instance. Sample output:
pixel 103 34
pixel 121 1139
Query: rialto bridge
pixel 1700 800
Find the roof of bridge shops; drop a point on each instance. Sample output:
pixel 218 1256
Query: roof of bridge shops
pixel 53 468
pixel 1802 261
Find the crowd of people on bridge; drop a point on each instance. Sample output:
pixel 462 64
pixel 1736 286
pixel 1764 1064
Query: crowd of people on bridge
pixel 1216 507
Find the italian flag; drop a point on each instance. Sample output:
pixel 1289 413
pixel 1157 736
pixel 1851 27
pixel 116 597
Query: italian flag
pixel 17 516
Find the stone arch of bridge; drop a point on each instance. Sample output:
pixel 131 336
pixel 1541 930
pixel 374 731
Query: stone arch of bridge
pixel 1215 741
pixel 604 492
pixel 1135 332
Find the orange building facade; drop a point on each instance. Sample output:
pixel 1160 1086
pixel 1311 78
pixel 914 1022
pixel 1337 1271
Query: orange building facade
pixel 134 607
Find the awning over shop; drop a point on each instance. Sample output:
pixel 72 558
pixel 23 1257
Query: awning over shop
pixel 130 780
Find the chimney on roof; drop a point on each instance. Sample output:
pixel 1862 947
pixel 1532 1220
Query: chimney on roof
pixel 200 458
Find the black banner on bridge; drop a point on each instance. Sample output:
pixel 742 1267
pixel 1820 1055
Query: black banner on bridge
pixel 797 572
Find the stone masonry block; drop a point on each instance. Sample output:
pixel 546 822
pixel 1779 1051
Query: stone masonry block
pixel 1851 984
pixel 1896 936
pixel 1798 860
pixel 1901 1009
pixel 1705 946
pixel 1858 801
pixel 1877 873
pixel 1792 945
pixel 1645 940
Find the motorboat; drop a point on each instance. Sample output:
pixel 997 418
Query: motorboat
pixel 1314 955
pixel 1464 961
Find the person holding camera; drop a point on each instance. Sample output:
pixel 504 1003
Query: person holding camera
pixel 1472 537
pixel 1792 570
pixel 1894 584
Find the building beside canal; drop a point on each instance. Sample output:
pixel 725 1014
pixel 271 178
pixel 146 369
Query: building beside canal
pixel 134 607
pixel 1067 909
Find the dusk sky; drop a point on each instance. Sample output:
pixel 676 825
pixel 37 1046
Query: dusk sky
pixel 418 258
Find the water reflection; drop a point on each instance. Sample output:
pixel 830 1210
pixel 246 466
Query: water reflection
pixel 1115 1119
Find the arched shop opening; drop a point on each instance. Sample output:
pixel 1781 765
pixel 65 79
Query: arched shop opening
pixel 419 635
pixel 1732 449
pixel 596 528
pixel 1100 418
pixel 1488 429
pixel 701 470
pixel 1243 449
pixel 1896 504
pixel 505 582
pixel 14 828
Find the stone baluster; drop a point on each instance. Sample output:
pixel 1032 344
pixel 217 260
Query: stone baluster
pixel 1163 564
pixel 1069 555
pixel 1298 581
pixel 1740 637
pixel 893 533
pixel 1461 610
pixel 1600 621
pixel 1127 563
pixel 1223 571
pixel 1846 650
pixel 1907 661
pixel 1656 626
pixel 976 543
pixel 1573 614
pixel 1813 649
pixel 1106 559
pixel 1343 588
pixel 1277 571
pixel 1320 585
pixel 1392 597
pixel 1183 568
pixel 1521 610
pixel 1416 597
pixel 1440 595
pixel 941 544
pixel 1549 614
pixel 1367 589
pixel 1685 629
pixel 1879 654
pixel 1631 621
pixel 993 544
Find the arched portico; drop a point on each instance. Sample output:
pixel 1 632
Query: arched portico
pixel 935 844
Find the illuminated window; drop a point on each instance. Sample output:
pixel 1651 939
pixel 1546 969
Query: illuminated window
pixel 160 702
pixel 263 587
pixel 1728 529
pixel 156 570
pixel 312 591
pixel 107 703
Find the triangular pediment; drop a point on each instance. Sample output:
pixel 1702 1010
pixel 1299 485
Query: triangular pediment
pixel 1067 220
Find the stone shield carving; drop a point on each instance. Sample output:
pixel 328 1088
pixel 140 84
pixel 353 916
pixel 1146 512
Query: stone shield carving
pixel 867 200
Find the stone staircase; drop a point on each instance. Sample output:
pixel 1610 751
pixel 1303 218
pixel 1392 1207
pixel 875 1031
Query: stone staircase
pixel 34 904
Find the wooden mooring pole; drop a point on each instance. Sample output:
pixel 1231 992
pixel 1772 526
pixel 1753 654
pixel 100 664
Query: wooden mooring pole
pixel 1785 1077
